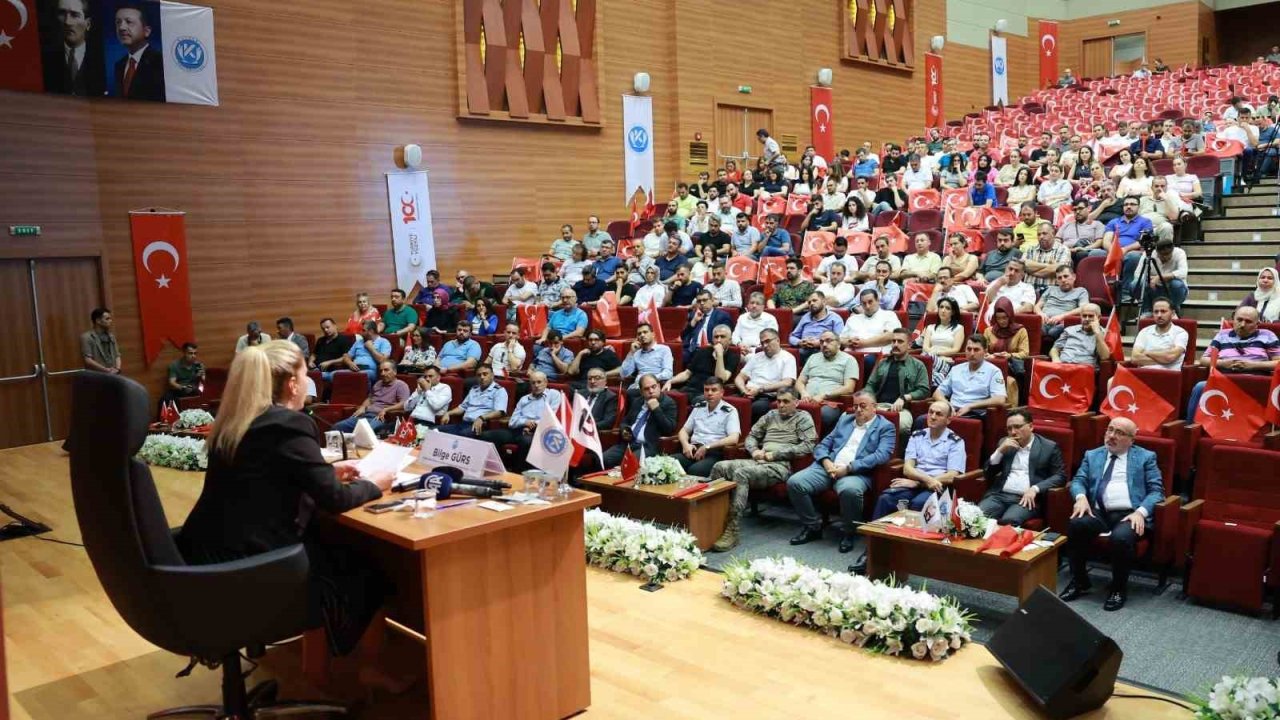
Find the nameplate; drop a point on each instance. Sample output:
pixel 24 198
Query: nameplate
pixel 475 458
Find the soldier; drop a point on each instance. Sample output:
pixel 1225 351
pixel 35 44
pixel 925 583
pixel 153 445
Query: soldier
pixel 935 456
pixel 712 425
pixel 782 434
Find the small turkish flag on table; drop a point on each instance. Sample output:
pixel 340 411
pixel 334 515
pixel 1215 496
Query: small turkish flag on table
pixel 164 291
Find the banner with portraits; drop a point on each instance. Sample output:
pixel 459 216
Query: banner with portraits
pixel 151 50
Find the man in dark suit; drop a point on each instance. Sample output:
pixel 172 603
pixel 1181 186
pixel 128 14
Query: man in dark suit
pixel 1021 472
pixel 602 401
pixel 72 65
pixel 139 75
pixel 651 418
pixel 704 317
pixel 1116 490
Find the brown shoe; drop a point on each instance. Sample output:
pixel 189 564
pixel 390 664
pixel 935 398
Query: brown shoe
pixel 729 539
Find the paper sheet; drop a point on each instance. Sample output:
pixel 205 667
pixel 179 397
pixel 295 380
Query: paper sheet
pixel 385 457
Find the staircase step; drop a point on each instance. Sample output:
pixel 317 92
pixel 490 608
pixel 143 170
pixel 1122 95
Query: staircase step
pixel 1209 311
pixel 1252 200
pixel 1232 222
pixel 1204 257
pixel 1209 292
pixel 1241 237
pixel 1266 212
pixel 1200 276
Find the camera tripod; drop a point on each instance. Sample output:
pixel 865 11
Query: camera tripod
pixel 1145 268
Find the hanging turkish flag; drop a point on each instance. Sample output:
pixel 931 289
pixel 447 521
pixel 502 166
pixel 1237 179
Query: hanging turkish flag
pixel 817 242
pixel 916 292
pixel 741 269
pixel 160 268
pixel 933 91
pixel 604 315
pixel 1048 53
pixel 1273 398
pixel 20 67
pixel 532 319
pixel 1144 406
pixel 1061 387
pixel 897 238
pixel 1225 411
pixel 1113 339
pixel 822 133
pixel 649 315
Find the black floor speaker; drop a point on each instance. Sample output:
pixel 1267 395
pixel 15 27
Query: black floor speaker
pixel 1065 664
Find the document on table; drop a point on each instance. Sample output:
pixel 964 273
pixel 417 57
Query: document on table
pixel 385 457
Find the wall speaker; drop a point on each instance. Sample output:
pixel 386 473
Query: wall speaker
pixel 1067 665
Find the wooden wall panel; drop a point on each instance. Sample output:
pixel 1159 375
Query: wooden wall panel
pixel 1172 33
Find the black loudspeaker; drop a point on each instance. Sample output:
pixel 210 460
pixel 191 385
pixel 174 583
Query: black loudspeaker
pixel 1065 664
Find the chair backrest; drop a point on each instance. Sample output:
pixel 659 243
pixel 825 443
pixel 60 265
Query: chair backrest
pixel 455 386
pixel 1089 276
pixel 1188 324
pixel 1238 484
pixel 971 430
pixel 122 521
pixel 924 219
pixel 1035 329
pixel 785 319
pixel 743 406
pixel 1066 440
pixel 215 381
pixel 1166 451
pixel 349 388
pixel 674 320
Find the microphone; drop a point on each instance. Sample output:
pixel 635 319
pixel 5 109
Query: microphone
pixel 480 491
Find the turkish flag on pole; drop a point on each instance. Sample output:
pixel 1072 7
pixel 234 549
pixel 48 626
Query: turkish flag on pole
pixel 605 315
pixel 1144 406
pixel 1061 387
pixel 823 131
pixel 1273 398
pixel 1225 411
pixel 583 432
pixel 1115 260
pixel 1048 53
pixel 20 62
pixel 160 267
pixel 933 91
pixel 1114 342
pixel 650 315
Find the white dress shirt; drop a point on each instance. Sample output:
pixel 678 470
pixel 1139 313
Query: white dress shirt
pixel 1019 478
pixel 1115 496
pixel 746 333
pixel 849 453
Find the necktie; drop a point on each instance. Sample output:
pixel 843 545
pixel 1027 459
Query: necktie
pixel 128 75
pixel 637 428
pixel 71 69
pixel 1106 479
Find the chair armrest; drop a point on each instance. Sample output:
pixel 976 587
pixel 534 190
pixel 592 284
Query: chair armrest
pixel 885 474
pixel 1166 530
pixel 801 462
pixel 736 452
pixel 1058 509
pixel 1271 440
pixel 328 414
pixel 1188 518
pixel 609 438
pixel 1273 577
pixel 970 486
pixel 669 445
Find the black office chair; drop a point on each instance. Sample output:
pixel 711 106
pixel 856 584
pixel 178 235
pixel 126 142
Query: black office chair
pixel 205 612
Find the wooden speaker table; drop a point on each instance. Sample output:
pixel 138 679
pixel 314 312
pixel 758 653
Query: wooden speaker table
pixel 703 513
pixel 891 553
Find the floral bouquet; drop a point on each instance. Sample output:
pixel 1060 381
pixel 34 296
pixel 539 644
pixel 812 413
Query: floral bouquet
pixel 1241 698
pixel 193 419
pixel 659 470
pixel 172 451
pixel 659 555
pixel 879 616
pixel 968 520
pixel 422 434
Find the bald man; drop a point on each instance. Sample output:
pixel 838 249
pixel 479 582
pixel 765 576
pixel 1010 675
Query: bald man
pixel 1116 491
pixel 1085 343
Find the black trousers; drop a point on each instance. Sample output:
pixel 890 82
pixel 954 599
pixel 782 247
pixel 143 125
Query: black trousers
pixel 700 468
pixel 501 438
pixel 1123 545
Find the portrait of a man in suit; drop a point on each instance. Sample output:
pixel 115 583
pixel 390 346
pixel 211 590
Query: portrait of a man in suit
pixel 71 48
pixel 140 74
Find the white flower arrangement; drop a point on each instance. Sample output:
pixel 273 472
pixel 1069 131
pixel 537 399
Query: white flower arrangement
pixel 422 434
pixel 973 522
pixel 659 555
pixel 659 470
pixel 881 617
pixel 172 451
pixel 188 419
pixel 1241 698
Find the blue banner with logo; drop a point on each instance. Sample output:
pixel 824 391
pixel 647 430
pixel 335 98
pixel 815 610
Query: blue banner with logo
pixel 150 50
pixel 999 71
pixel 637 145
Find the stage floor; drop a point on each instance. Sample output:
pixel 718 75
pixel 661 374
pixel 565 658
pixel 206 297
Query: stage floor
pixel 681 652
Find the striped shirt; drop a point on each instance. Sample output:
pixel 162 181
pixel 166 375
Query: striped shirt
pixel 1259 347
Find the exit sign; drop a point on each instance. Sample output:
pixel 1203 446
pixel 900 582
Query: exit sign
pixel 24 230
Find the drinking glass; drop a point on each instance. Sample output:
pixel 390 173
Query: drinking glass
pixel 424 503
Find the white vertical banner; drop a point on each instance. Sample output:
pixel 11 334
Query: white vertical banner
pixel 637 144
pixel 190 70
pixel 999 71
pixel 412 242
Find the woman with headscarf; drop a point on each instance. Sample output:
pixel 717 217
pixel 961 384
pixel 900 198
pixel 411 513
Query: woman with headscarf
pixel 1007 338
pixel 1264 297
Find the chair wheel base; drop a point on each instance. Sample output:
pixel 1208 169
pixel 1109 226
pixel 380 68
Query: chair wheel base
pixel 257 712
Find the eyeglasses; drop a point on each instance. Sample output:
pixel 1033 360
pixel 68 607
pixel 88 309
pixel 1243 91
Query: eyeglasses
pixel 1120 433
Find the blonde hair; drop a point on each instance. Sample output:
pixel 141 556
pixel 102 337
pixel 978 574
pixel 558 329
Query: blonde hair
pixel 256 380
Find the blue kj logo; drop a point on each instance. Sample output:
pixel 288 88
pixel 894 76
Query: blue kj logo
pixel 999 66
pixel 189 53
pixel 555 442
pixel 638 139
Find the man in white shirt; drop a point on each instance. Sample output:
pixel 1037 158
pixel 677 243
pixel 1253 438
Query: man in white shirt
pixel 1021 472
pixel 725 210
pixel 746 334
pixel 915 177
pixel 832 198
pixel 430 400
pixel 1167 278
pixel 507 356
pixel 1010 285
pixel 655 243
pixel 868 269
pixel 652 290
pixel 519 290
pixel 838 293
pixel 840 254
pixel 726 292
pixel 871 330
pixel 766 371
pixel 1161 344
pixel 948 287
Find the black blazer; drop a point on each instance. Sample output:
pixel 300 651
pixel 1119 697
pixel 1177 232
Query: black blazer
pixel 1045 466
pixel 662 423
pixel 605 409
pixel 261 499
pixel 148 79
pixel 89 82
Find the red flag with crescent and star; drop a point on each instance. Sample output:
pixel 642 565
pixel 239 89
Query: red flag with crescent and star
pixel 1144 406
pixel 20 61
pixel 164 291
pixel 933 91
pixel 823 131
pixel 1048 53
pixel 1061 387
pixel 1225 411
pixel 1273 398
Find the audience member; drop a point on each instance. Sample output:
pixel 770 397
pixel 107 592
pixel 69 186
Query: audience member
pixel 868 270
pixel 683 290
pixel 330 349
pixel 597 355
pixel 765 372
pixel 819 319
pixel 460 353
pixel 1084 343
pixel 746 333
pixel 839 256
pixel 1245 348
pixel 947 287
pixel 827 375
pixel 562 247
pixel 651 292
pixel 1265 297
pixel 284 331
pixel 943 340
pixel 1021 295
pixel 368 351
pixel 923 264
pixel 935 457
pixel 962 264
pixel 836 292
pixel 1043 260
pixel 1021 472
pixel 719 360
pixel 430 400
pixel 519 290
pixel 595 238
pixel 363 313
pixel 486 401
pixel 571 270
pixel 870 329
pixel 887 291
pixel 418 354
pixel 794 291
pixel 551 286
pixel 567 319
pixel 253 335
pixel 745 239
pixel 623 291
pixel 1161 344
pixel 898 379
pixel 650 417
pixel 1081 235
pixel 712 425
pixel 1166 279
pixel 98 346
pixel 647 357
pixel 725 292
pixel 994 263
pixel 514 440
pixel 1059 302
pixel 186 375
pixel 1126 230
pixel 386 395
pixel 974 385
pixel 507 357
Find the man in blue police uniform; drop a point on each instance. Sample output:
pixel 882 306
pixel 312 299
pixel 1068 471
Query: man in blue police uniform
pixel 486 401
pixel 935 457
pixel 712 426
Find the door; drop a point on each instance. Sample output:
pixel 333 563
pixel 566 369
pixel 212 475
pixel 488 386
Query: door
pixel 47 303
pixel 736 128
pixel 1097 58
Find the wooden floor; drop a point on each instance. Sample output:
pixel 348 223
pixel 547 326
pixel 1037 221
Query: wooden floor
pixel 682 652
